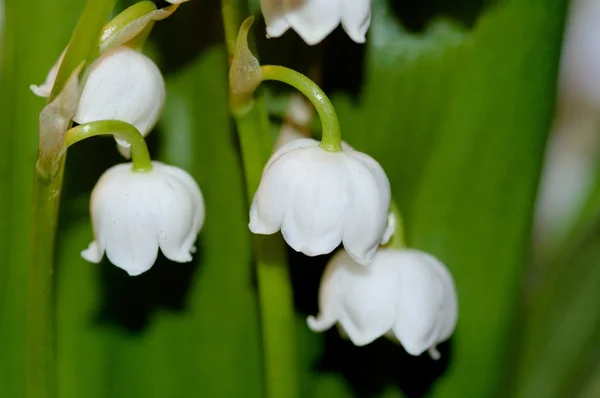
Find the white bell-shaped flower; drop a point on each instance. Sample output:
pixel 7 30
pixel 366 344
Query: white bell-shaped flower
pixel 313 20
pixel 319 199
pixel 405 294
pixel 135 213
pixel 123 84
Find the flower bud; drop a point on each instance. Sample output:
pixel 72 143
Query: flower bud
pixel 313 20
pixel 407 295
pixel 122 84
pixel 134 214
pixel 319 199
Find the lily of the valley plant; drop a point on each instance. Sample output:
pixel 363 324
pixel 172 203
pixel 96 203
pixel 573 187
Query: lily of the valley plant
pixel 319 194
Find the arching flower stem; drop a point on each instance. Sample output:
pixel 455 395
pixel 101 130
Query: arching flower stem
pixel 122 130
pixel 331 139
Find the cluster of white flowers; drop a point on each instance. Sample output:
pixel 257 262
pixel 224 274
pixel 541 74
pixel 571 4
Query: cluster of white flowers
pixel 317 197
pixel 134 213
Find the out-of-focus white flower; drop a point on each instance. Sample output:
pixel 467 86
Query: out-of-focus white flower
pixel 176 1
pixel 313 20
pixel 572 153
pixel 123 84
pixel 580 60
pixel 298 116
pixel 407 295
pixel 134 214
pixel 319 199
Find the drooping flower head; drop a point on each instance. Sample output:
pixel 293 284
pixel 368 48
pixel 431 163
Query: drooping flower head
pixel 319 199
pixel 406 295
pixel 313 20
pixel 136 213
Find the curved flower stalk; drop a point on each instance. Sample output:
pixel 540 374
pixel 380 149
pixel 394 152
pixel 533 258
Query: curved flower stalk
pixel 318 193
pixel 135 213
pixel 123 84
pixel 405 295
pixel 319 199
pixel 313 20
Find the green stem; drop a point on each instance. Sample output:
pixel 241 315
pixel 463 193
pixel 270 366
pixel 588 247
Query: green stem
pixel 42 371
pixel 232 11
pixel 275 290
pixel 331 139
pixel 41 301
pixel 140 157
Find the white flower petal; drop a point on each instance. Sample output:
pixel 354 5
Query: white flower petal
pixel 93 253
pixel 293 145
pixel 123 85
pixel 313 20
pixel 274 14
pixel 124 150
pixel 44 89
pixel 268 206
pixel 370 305
pixel 356 18
pixel 366 219
pixel 361 299
pixel 313 224
pixel 428 311
pixel 331 294
pixel 179 230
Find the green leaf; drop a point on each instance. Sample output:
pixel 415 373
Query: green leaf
pixel 560 322
pixel 34 35
pixel 459 121
pixel 476 202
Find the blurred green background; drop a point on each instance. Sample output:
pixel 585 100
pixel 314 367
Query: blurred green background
pixel 455 99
